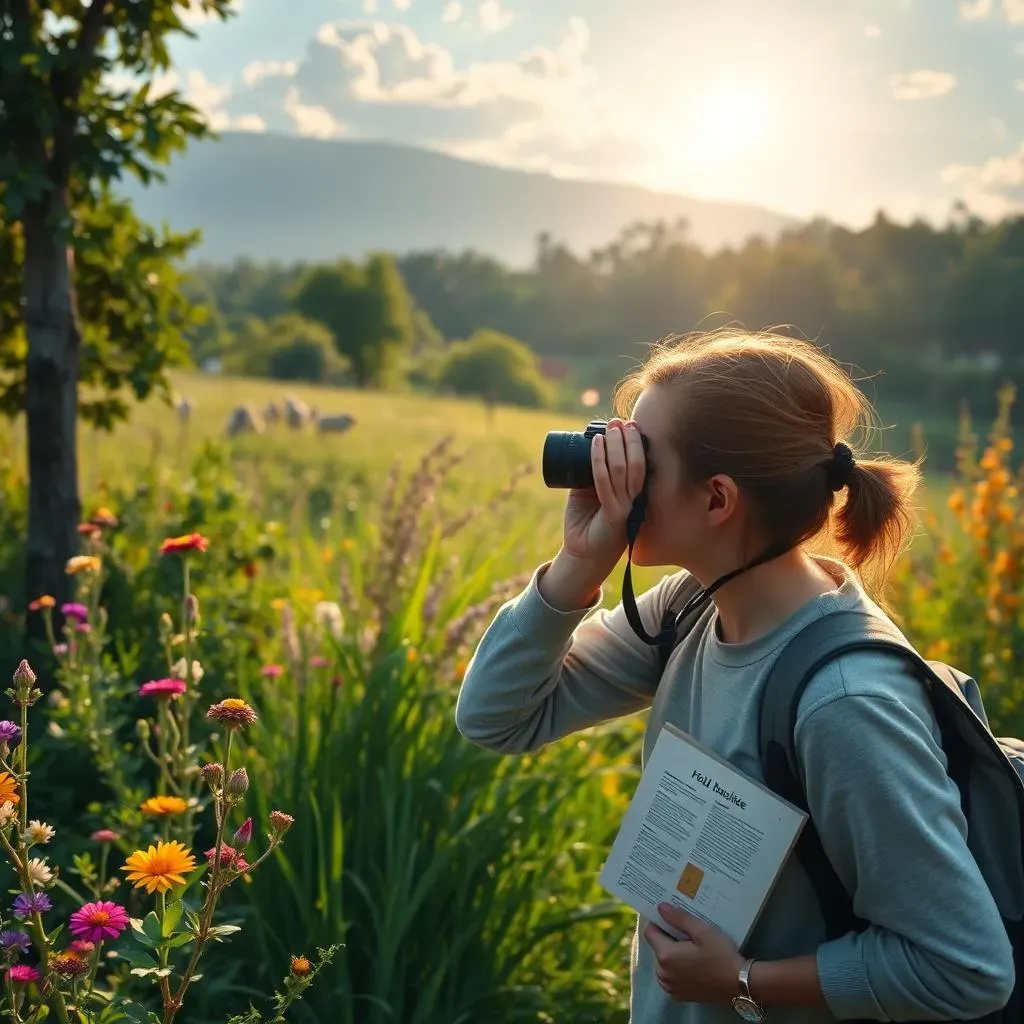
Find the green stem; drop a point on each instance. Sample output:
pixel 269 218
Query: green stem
pixel 161 910
pixel 23 747
pixel 64 887
pixel 95 967
pixel 187 633
pixel 9 985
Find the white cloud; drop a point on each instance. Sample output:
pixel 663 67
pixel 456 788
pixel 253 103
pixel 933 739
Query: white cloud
pixel 199 12
pixel 452 12
pixel 994 188
pixel 921 85
pixel 258 69
pixel 370 6
pixel 872 31
pixel 997 126
pixel 1014 11
pixel 402 5
pixel 311 120
pixel 492 16
pixel 249 123
pixel 975 10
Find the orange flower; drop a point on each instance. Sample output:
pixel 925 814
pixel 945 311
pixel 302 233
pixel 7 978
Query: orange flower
pixel 162 806
pixel 9 793
pixel 187 542
pixel 159 868
pixel 82 563
pixel 45 601
pixel 301 966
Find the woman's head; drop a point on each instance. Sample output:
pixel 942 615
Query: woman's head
pixel 743 430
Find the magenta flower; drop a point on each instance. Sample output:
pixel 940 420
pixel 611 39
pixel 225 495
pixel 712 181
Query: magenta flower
pixel 74 610
pixel 167 688
pixel 318 661
pixel 243 834
pixel 22 974
pixel 272 671
pixel 99 921
pixel 10 732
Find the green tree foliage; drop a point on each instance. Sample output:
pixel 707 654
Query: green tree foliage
pixel 76 112
pixel 366 309
pixel 497 368
pixel 288 347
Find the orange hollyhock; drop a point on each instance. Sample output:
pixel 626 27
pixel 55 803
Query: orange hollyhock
pixel 187 542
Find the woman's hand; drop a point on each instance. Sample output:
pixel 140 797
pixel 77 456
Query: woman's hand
pixel 704 968
pixel 595 518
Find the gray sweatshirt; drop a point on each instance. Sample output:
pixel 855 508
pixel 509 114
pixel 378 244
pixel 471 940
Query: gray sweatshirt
pixel 888 815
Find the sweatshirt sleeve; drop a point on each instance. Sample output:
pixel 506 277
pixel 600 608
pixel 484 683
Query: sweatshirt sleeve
pixel 539 674
pixel 890 821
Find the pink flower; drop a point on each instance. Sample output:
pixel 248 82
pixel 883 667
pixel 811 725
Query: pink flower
pixel 272 671
pixel 105 835
pixel 22 974
pixel 83 627
pixel 99 921
pixel 318 661
pixel 243 833
pixel 169 688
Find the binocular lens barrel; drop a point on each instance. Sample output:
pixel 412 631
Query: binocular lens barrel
pixel 566 459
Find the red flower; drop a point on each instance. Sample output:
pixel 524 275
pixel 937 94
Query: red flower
pixel 229 857
pixel 187 542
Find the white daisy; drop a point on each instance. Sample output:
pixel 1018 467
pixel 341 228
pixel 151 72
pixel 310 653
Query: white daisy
pixel 39 871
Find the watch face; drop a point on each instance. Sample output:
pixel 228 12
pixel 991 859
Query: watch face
pixel 748 1010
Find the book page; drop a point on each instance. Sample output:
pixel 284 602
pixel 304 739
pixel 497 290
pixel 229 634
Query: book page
pixel 701 835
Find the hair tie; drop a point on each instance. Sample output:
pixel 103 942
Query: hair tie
pixel 839 469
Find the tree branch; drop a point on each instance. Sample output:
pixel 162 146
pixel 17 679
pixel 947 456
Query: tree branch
pixel 66 87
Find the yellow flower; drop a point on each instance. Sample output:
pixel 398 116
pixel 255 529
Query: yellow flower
pixel 164 805
pixel 9 793
pixel 159 868
pixel 82 563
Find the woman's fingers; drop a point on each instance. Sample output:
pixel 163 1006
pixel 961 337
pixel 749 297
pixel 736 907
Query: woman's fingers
pixel 602 480
pixel 635 460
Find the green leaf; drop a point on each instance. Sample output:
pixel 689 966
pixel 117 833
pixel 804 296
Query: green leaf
pixel 137 957
pixel 172 917
pixel 151 926
pixel 139 932
pixel 178 940
pixel 223 929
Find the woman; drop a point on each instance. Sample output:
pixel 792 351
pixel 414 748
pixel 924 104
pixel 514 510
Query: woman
pixel 747 453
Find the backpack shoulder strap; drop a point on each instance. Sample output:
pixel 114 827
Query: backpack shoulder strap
pixel 801 659
pixel 685 591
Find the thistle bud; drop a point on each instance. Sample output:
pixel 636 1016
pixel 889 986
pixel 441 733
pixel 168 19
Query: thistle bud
pixel 24 684
pixel 243 834
pixel 212 774
pixel 280 822
pixel 238 784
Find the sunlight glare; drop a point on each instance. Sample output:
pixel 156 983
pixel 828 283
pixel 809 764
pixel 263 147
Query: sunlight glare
pixel 731 117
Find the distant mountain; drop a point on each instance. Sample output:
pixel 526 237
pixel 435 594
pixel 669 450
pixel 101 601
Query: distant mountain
pixel 286 198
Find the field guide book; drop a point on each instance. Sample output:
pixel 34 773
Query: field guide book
pixel 701 835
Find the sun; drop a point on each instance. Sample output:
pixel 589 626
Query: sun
pixel 731 117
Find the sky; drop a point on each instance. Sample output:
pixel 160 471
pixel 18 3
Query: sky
pixel 834 108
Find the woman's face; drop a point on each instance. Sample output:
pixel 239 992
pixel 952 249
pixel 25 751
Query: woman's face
pixel 684 525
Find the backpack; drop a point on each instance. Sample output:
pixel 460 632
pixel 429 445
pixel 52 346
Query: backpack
pixel 988 771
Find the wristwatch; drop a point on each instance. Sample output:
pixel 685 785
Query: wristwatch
pixel 745 1005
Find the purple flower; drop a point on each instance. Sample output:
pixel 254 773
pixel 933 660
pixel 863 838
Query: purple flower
pixel 10 732
pixel 11 939
pixel 26 904
pixel 74 610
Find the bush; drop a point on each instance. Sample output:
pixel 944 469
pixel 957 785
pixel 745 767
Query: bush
pixel 496 368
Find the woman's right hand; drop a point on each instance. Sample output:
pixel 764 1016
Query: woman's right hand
pixel 594 530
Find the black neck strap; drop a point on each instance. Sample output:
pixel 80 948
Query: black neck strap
pixel 633 522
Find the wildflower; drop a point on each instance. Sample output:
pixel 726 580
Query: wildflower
pixel 300 966
pixel 232 712
pixel 328 615
pixel 28 903
pixel 162 806
pixel 280 822
pixel 105 835
pixel 39 832
pixel 24 685
pixel 88 531
pixel 243 833
pixel 74 610
pixel 318 661
pixel 42 602
pixel 99 921
pixel 160 867
pixel 82 948
pixel 23 974
pixel 9 789
pixel 238 783
pixel 82 563
pixel 14 939
pixel 10 732
pixel 68 966
pixel 187 542
pixel 169 689
pixel 271 671
pixel 83 627
pixel 60 649
pixel 179 670
pixel 212 773
pixel 39 871
pixel 229 858
pixel 103 517
pixel 8 814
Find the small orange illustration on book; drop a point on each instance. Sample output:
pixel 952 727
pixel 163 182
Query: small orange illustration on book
pixel 689 880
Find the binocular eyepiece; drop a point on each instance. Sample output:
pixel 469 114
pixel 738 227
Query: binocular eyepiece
pixel 565 462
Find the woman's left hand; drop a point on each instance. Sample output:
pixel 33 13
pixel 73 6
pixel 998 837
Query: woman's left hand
pixel 703 968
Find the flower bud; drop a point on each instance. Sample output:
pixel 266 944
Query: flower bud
pixel 142 729
pixel 212 774
pixel 280 822
pixel 238 783
pixel 191 609
pixel 300 966
pixel 24 683
pixel 243 834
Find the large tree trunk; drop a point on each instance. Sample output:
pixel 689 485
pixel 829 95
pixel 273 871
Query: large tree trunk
pixel 51 405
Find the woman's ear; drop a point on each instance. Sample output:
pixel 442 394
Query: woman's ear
pixel 723 498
